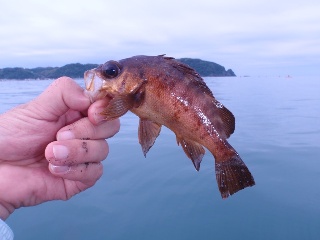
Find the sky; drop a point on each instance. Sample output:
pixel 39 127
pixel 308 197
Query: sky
pixel 255 38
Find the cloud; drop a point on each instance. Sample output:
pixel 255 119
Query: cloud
pixel 237 34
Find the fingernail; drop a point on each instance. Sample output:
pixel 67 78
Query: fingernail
pixel 98 117
pixel 59 169
pixel 65 135
pixel 60 152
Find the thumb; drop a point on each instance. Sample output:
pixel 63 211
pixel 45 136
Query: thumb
pixel 63 94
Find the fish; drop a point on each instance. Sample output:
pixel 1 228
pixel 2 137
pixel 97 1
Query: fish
pixel 162 91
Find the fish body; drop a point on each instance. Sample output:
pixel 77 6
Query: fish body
pixel 163 91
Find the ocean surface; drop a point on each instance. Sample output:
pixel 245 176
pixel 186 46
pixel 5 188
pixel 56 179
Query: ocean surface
pixel 162 196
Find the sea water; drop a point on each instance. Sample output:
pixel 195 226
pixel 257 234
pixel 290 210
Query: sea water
pixel 162 196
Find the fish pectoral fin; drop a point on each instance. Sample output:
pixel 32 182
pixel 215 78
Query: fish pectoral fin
pixel 118 106
pixel 193 150
pixel 232 175
pixel 121 103
pixel 148 132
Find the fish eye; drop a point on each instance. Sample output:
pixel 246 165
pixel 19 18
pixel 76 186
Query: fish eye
pixel 110 69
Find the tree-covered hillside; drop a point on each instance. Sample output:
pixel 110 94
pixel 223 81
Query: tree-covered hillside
pixel 76 70
pixel 206 68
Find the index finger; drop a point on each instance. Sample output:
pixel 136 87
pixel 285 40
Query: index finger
pixel 84 129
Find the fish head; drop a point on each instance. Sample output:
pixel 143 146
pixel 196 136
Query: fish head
pixel 113 78
pixel 102 81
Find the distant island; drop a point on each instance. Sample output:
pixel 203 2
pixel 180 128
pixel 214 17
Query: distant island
pixel 206 68
pixel 76 70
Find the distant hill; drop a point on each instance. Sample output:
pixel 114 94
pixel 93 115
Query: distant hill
pixel 206 68
pixel 76 70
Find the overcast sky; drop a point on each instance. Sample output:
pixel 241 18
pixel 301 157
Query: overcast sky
pixel 262 37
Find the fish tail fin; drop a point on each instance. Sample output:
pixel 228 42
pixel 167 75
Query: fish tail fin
pixel 232 175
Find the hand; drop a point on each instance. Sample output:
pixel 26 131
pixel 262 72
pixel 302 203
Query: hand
pixel 52 147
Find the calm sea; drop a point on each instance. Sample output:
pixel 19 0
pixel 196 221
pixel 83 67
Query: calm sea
pixel 163 197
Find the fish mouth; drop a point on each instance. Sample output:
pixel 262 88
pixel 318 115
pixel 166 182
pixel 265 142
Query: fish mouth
pixel 93 85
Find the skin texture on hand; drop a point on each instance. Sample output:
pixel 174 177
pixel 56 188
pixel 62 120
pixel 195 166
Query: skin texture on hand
pixel 51 148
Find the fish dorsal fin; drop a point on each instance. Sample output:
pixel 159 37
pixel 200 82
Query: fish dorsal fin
pixel 193 150
pixel 227 119
pixel 186 69
pixel 148 132
pixel 190 75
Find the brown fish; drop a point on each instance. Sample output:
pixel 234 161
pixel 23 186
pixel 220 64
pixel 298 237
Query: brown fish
pixel 163 91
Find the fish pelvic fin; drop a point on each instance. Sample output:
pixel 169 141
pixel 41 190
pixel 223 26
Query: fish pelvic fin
pixel 148 132
pixel 193 150
pixel 232 175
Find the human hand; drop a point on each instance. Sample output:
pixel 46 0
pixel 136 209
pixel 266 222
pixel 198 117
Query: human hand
pixel 52 147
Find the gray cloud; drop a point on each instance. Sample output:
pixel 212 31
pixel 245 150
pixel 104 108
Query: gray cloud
pixel 261 37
